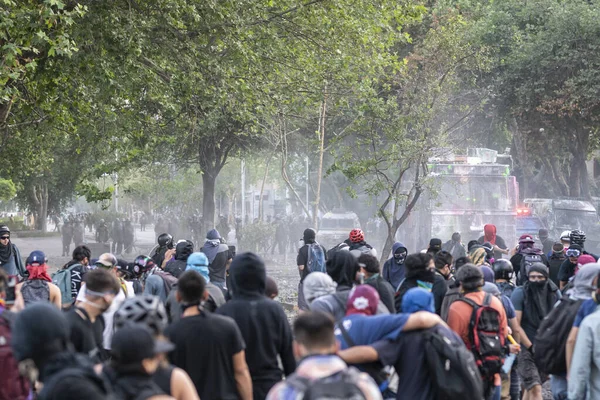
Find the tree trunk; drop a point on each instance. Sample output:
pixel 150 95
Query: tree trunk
pixel 286 178
pixel 559 176
pixel 40 200
pixel 262 189
pixel 520 146
pixel 208 201
pixel 321 153
pixel 575 188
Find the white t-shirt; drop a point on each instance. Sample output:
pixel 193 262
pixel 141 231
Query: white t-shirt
pixel 109 314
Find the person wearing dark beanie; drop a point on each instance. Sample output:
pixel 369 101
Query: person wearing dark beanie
pixel 262 322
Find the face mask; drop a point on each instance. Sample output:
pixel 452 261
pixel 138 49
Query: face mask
pixel 400 257
pixel 538 284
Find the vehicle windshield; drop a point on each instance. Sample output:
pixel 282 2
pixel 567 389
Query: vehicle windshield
pixel 342 223
pixel 576 219
pixel 474 193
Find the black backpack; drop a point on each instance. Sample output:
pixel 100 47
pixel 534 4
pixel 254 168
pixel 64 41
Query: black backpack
pixel 453 366
pixel 486 341
pixel 82 371
pixel 529 257
pixel 341 385
pixel 552 335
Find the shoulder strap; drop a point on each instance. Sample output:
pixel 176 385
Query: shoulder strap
pixel 487 300
pixel 469 302
pixel 400 284
pixel 346 335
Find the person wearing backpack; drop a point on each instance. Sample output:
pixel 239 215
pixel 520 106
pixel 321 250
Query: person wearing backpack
pixel 311 258
pixel 361 327
pixel 369 266
pixel 38 287
pixel 358 245
pixel 479 318
pixel 394 270
pixel 552 348
pixel 262 322
pixel 453 292
pixel 533 302
pixel 420 355
pixel 44 351
pixel 70 276
pixel 320 372
pixel 12 385
pixel 527 254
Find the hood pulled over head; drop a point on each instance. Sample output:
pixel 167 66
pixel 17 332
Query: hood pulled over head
pixel 248 275
pixel 183 250
pixel 342 268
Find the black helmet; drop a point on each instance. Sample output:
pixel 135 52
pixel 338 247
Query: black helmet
pixel 4 229
pixel 164 239
pixel 503 269
pixel 144 309
pixel 577 237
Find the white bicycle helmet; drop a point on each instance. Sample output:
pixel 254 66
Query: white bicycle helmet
pixel 565 236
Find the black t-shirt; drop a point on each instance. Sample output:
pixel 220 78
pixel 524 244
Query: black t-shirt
pixel 85 335
pixel 205 346
pixel 566 271
pixel 302 259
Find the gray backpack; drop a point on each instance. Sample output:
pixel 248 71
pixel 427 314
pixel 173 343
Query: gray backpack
pixel 35 290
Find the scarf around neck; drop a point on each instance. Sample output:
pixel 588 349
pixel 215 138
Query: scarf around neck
pixel 538 301
pixel 210 249
pixel 39 272
pixel 5 253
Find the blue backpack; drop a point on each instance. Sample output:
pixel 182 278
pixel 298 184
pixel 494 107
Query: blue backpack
pixel 316 258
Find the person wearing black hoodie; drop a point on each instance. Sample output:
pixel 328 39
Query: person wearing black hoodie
pixel 343 269
pixel 420 272
pixel 177 266
pixel 43 340
pixel 262 322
